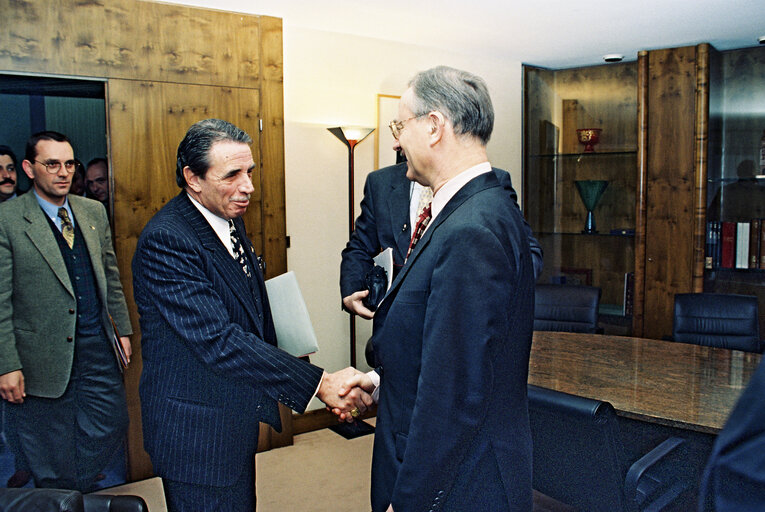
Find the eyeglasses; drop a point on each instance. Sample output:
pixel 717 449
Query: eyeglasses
pixel 54 166
pixel 397 126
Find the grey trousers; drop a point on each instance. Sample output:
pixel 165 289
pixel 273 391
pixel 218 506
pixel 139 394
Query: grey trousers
pixel 69 440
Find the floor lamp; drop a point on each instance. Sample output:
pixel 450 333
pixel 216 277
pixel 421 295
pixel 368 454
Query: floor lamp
pixel 351 136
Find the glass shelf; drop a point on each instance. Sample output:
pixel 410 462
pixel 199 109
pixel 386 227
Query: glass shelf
pixel 573 233
pixel 597 154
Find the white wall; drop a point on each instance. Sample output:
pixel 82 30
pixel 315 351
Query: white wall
pixel 333 80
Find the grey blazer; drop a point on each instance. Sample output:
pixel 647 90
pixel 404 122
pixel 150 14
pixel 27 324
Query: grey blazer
pixel 38 309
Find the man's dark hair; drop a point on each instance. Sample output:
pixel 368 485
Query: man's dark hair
pixel 461 97
pixel 98 160
pixel 5 150
pixel 31 150
pixel 194 149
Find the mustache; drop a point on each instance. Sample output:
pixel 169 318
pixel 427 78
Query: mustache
pixel 8 181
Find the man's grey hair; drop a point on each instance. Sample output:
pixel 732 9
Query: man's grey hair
pixel 461 97
pixel 194 149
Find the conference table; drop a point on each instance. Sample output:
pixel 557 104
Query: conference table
pixel 674 384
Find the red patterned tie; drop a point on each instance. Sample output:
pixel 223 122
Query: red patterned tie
pixel 419 228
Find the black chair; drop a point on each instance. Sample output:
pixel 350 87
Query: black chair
pixel 717 320
pixel 579 458
pixel 62 500
pixel 566 308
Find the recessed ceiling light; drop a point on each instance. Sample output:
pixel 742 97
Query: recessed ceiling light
pixel 613 57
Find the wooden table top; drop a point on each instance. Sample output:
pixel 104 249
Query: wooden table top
pixel 675 384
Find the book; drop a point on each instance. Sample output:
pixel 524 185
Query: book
pixel 754 243
pixel 762 243
pixel 709 247
pixel 742 245
pixel 728 245
pixel 294 330
pixel 119 350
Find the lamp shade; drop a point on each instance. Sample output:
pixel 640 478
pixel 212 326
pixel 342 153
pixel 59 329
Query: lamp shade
pixel 351 135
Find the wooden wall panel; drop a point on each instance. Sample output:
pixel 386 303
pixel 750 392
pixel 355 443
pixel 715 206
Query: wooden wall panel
pixel 130 39
pixel 669 185
pixel 168 66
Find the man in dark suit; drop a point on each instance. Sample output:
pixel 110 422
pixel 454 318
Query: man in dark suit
pixel 453 334
pixel 734 479
pixel 211 368
pixel 59 284
pixel 388 213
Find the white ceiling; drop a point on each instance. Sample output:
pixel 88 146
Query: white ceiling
pixel 548 33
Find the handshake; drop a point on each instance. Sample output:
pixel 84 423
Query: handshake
pixel 347 393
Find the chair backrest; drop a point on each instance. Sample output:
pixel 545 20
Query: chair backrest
pixel 717 320
pixel 578 455
pixel 35 500
pixel 566 308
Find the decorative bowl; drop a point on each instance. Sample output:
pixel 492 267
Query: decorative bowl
pixel 589 137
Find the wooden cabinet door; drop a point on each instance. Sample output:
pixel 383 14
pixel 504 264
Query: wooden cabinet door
pixel 670 185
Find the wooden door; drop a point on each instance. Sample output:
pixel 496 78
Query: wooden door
pixel 147 121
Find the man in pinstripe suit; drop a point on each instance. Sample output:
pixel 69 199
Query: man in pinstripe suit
pixel 211 368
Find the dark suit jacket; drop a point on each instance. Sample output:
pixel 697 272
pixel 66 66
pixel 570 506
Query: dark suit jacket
pixel 384 222
pixel 38 309
pixel 734 480
pixel 453 337
pixel 211 369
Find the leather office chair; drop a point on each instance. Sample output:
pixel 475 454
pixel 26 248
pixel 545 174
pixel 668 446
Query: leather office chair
pixel 717 320
pixel 579 458
pixel 566 308
pixel 62 500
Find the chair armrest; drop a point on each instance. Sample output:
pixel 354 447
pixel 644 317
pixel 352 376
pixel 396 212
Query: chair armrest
pixel 113 503
pixel 668 481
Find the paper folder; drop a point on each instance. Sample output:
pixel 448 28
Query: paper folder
pixel 294 331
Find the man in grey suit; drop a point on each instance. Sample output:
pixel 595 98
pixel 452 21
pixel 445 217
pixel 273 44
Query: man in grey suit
pixel 59 284
pixel 211 367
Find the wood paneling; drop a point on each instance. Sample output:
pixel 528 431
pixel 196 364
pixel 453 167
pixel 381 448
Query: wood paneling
pixel 130 39
pixel 167 67
pixel 670 184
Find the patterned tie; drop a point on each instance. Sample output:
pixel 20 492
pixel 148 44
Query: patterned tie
pixel 236 245
pixel 67 229
pixel 426 196
pixel 419 228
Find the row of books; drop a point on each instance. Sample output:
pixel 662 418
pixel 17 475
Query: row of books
pixel 735 244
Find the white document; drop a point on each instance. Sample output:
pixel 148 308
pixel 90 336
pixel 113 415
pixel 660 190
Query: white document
pixel 385 260
pixel 294 331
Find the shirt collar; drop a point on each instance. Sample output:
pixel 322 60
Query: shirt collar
pixel 218 224
pixel 451 187
pixel 51 210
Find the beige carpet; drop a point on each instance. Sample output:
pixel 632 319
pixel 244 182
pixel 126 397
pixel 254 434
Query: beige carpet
pixel 321 472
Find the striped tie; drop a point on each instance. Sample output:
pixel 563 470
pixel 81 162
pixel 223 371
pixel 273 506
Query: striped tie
pixel 419 228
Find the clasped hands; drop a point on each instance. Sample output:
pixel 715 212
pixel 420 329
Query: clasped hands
pixel 347 393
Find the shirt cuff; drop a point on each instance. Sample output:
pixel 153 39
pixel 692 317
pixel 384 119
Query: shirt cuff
pixel 375 378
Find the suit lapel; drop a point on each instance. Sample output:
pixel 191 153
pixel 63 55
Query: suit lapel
pixel 398 206
pixel 39 232
pixel 477 184
pixel 90 236
pixel 224 263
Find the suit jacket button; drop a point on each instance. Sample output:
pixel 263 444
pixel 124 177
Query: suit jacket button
pixel 69 339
